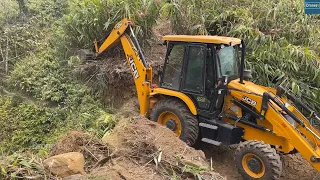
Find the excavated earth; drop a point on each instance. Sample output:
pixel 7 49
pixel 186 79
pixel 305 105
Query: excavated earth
pixel 137 149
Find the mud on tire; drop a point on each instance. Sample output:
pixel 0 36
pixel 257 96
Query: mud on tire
pixel 269 157
pixel 189 122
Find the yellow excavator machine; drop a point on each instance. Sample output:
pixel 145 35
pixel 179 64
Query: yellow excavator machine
pixel 205 94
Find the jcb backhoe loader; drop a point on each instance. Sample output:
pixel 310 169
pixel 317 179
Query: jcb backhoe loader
pixel 205 93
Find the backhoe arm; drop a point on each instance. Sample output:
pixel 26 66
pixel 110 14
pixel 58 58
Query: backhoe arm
pixel 141 71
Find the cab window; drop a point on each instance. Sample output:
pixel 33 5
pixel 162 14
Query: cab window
pixel 227 60
pixel 194 80
pixel 174 62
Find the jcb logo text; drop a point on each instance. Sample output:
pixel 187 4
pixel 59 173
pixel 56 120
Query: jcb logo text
pixel 133 68
pixel 249 101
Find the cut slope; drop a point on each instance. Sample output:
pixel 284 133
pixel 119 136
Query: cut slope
pixel 110 76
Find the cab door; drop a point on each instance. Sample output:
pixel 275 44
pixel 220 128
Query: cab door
pixel 172 70
pixel 193 83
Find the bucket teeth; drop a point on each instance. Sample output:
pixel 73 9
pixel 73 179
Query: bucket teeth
pixel 86 55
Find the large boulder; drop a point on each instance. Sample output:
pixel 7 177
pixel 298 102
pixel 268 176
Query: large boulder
pixel 64 165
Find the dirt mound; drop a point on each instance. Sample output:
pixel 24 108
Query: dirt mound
pixel 294 165
pixel 110 78
pixel 146 150
pixel 94 151
pixel 140 149
pixel 143 137
pixel 137 149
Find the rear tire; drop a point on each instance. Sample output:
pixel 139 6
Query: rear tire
pixel 257 160
pixel 188 122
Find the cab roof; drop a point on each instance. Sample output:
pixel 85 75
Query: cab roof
pixel 202 39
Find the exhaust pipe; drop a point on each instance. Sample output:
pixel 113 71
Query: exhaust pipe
pixel 243 52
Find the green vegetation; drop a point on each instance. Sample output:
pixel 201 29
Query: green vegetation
pixel 18 166
pixel 8 11
pixel 89 20
pixel 45 99
pixel 282 41
pixel 38 39
pixel 41 96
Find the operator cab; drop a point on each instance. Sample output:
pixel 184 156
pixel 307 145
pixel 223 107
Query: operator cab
pixel 196 65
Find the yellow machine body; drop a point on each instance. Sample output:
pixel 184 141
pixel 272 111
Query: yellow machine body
pixel 284 136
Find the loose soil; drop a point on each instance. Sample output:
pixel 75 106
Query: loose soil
pixel 137 149
pixel 93 149
pixel 139 142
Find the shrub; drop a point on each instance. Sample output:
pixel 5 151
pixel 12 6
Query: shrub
pixel 89 20
pixel 21 166
pixel 57 104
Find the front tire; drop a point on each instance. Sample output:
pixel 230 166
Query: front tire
pixel 257 160
pixel 174 114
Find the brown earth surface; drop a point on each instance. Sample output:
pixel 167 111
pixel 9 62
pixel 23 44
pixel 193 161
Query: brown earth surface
pixel 94 150
pixel 141 141
pixel 137 149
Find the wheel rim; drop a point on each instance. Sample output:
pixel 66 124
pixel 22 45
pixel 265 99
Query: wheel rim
pixel 171 121
pixel 253 165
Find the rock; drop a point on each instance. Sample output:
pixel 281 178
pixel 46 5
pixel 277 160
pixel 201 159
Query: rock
pixel 64 165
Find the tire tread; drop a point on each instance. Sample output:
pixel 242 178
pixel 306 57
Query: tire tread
pixel 190 128
pixel 258 147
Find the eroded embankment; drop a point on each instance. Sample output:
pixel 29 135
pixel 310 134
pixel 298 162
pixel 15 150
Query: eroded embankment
pixel 137 149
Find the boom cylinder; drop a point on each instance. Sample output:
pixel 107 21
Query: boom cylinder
pixel 136 43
